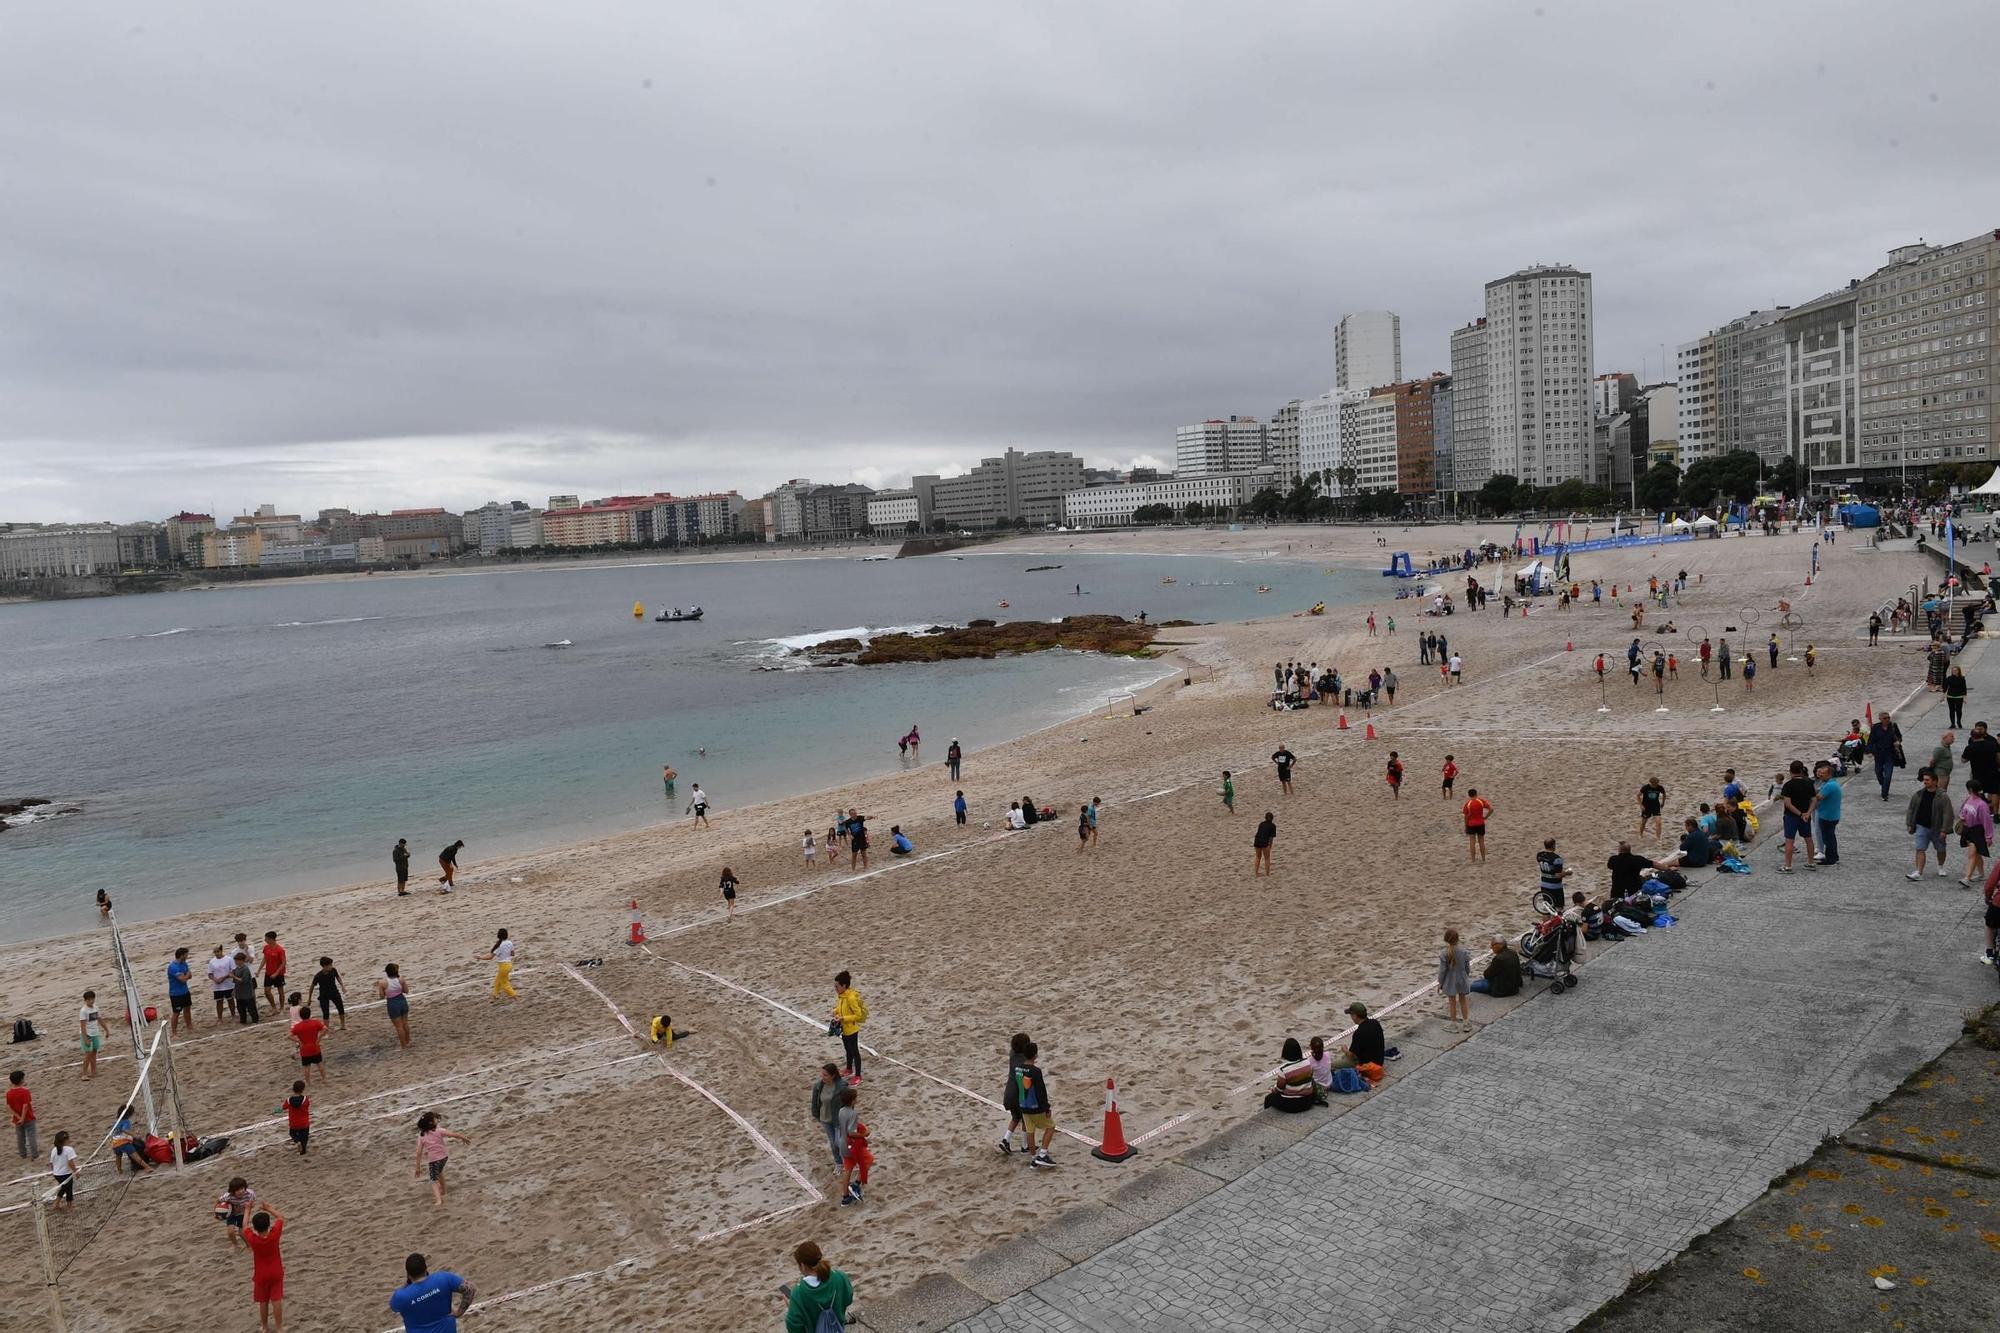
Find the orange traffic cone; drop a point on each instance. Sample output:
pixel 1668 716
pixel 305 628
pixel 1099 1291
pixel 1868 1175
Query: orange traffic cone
pixel 638 935
pixel 1343 723
pixel 1114 1148
pixel 1371 731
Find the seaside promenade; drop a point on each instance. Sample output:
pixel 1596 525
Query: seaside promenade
pixel 1518 1178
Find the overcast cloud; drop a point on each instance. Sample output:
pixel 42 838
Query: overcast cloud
pixel 389 254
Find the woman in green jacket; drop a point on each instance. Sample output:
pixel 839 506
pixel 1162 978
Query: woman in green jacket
pixel 821 1287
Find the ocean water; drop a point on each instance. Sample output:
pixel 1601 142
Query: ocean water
pixel 237 743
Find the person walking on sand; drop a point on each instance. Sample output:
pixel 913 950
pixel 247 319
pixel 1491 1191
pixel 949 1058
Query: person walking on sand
pixel 1096 811
pixel 1032 1096
pixel 1652 800
pixel 1228 792
pixel 267 1270
pixel 953 757
pixel 179 997
pixel 855 1156
pixel 448 863
pixel 220 984
pixel 1455 982
pixel 1267 833
pixel 1477 809
pixel 1389 683
pixel 1456 670
pixel 424 1301
pixel 306 1032
pixel 1371 624
pixel 849 1013
pixel 501 955
pixel 21 1114
pixel 728 887
pixel 821 1290
pixel 698 806
pixel 1284 759
pixel 273 964
pixel 826 1107
pixel 1082 829
pixel 857 839
pixel 399 858
pixel 1393 774
pixel 434 1152
pixel 64 1166
pixel 298 1115
pixel 1010 1098
pixel 394 992
pixel 326 986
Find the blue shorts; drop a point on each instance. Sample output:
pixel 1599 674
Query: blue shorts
pixel 1928 837
pixel 1795 827
pixel 399 1006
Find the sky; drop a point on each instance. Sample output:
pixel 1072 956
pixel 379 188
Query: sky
pixel 397 254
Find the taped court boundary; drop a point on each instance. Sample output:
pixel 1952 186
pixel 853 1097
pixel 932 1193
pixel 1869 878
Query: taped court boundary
pixel 810 1021
pixel 756 1135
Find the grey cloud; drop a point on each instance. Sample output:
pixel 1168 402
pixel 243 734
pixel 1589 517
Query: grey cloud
pixel 426 253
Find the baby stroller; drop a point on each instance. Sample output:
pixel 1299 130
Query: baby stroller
pixel 1548 948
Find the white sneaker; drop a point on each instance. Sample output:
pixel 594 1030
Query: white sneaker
pixel 1914 874
pixel 1943 873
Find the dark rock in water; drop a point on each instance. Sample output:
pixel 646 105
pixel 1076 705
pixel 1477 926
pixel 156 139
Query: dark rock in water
pixel 979 624
pixel 18 804
pixel 835 648
pixel 1096 634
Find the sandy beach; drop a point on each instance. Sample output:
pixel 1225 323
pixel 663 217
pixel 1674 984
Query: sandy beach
pixel 675 1184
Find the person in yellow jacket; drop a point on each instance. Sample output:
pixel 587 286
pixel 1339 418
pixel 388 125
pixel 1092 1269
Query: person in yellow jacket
pixel 849 1013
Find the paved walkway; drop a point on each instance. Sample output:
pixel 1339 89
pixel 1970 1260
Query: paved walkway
pixel 1522 1178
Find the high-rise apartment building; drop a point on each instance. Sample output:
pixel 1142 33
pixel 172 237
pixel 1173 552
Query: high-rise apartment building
pixel 1471 430
pixel 1539 353
pixel 1822 388
pixel 1371 446
pixel 1281 443
pixel 1218 446
pixel 1416 434
pixel 1017 486
pixel 1696 431
pixel 1368 350
pixel 1929 360
pixel 1750 384
pixel 787 509
pixel 1443 431
pixel 1613 392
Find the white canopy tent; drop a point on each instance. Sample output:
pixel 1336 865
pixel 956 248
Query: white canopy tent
pixel 1992 486
pixel 1704 522
pixel 1679 525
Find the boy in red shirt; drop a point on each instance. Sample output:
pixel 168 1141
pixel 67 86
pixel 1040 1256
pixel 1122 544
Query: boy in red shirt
pixel 1450 776
pixel 267 1272
pixel 298 1115
pixel 306 1032
pixel 21 1111
pixel 274 970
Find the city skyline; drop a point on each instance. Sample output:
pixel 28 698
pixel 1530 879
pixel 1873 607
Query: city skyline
pixel 592 260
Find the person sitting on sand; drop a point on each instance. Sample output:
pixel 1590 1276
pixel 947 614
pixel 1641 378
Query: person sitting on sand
pixel 1016 819
pixel 1294 1090
pixel 899 842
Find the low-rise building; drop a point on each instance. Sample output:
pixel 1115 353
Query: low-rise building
pixel 317 555
pixel 232 548
pixel 895 512
pixel 183 529
pixel 1113 506
pixel 58 550
pixel 143 546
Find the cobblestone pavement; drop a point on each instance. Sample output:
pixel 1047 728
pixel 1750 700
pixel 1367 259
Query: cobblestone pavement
pixel 1523 1177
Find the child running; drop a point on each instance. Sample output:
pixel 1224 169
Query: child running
pixel 307 1032
pixel 232 1206
pixel 434 1152
pixel 395 995
pixel 854 1138
pixel 298 1114
pixel 1228 792
pixel 326 985
pixel 1010 1096
pixel 502 957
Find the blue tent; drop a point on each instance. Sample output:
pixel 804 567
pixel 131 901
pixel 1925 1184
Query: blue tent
pixel 1861 515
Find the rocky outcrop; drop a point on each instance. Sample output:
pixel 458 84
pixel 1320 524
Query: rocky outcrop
pixel 21 809
pixel 983 639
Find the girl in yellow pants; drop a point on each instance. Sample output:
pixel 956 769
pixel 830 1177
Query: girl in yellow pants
pixel 502 953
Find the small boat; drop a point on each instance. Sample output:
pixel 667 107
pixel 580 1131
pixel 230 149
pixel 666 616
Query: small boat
pixel 677 615
pixel 1263 587
pixel 559 643
pixel 1169 579
pixel 870 559
pixel 1036 569
pixel 1003 605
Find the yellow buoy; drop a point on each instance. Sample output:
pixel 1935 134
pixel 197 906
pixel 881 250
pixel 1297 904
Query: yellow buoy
pixel 638 611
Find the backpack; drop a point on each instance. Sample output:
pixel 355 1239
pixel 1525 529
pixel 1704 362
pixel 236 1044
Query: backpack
pixel 1347 1079
pixel 24 1030
pixel 828 1322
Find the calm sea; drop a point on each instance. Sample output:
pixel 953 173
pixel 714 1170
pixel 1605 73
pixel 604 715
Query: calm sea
pixel 239 743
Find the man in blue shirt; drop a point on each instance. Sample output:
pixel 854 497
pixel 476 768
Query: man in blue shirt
pixel 1732 790
pixel 1828 813
pixel 425 1301
pixel 178 995
pixel 958 807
